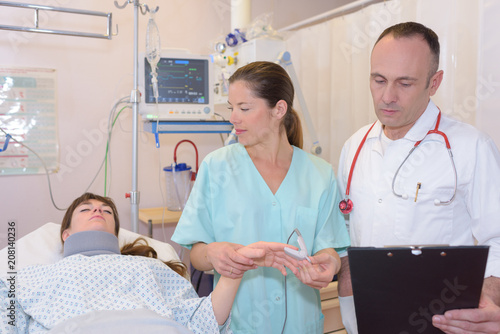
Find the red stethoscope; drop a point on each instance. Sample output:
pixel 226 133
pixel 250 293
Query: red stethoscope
pixel 346 205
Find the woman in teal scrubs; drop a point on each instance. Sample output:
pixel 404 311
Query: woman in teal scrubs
pixel 261 189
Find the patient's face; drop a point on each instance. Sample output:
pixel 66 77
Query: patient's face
pixel 91 215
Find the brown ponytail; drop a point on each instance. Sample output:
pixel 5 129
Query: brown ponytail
pixel 293 128
pixel 140 247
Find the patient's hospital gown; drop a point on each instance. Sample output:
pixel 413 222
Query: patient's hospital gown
pixel 49 294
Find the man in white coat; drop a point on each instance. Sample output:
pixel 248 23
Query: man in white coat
pixel 400 198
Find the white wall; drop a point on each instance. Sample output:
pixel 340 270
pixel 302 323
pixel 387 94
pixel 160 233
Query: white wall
pixel 92 75
pixel 487 95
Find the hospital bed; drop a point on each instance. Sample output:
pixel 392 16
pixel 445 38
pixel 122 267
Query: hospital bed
pixel 43 246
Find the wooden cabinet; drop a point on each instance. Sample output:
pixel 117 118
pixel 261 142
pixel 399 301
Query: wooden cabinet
pixel 331 309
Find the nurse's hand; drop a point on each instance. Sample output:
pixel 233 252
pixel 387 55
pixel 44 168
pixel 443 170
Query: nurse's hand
pixel 270 254
pixel 227 261
pixel 319 273
pixel 485 319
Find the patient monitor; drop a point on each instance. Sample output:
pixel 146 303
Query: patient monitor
pixel 185 86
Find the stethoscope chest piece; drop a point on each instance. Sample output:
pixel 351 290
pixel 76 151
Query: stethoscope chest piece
pixel 345 206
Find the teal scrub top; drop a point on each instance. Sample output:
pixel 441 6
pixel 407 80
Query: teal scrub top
pixel 230 201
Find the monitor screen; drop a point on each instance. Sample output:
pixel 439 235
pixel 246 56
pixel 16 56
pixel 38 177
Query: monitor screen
pixel 183 88
pixel 179 81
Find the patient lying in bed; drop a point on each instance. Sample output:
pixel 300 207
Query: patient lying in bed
pixel 95 286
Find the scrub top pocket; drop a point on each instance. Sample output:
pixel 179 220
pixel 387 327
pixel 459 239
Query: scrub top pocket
pixel 305 222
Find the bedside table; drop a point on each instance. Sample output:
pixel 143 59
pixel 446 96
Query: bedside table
pixel 152 216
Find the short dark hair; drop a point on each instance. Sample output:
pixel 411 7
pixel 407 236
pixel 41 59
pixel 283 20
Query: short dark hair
pixel 411 29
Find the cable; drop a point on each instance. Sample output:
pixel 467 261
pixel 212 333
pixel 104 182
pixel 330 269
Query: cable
pixel 107 152
pixel 163 201
pixel 6 143
pixel 286 308
pixel 110 127
pixel 199 282
pixel 104 162
pixel 43 164
pixel 111 123
pixel 220 134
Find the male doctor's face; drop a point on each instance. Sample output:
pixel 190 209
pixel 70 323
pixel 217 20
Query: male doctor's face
pixel 400 83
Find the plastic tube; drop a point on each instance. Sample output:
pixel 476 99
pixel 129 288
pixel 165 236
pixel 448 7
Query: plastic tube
pixel 153 51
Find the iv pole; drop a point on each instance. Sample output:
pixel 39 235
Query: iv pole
pixel 135 97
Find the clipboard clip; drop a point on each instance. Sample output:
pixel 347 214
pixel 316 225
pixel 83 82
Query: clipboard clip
pixel 416 249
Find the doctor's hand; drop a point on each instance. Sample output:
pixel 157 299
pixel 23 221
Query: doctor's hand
pixel 485 319
pixel 319 273
pixel 227 261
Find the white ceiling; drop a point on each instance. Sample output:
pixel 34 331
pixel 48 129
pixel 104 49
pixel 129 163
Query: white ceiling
pixel 288 12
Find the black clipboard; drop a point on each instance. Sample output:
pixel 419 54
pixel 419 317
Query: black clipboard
pixel 398 289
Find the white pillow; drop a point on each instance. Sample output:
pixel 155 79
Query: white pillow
pixel 43 246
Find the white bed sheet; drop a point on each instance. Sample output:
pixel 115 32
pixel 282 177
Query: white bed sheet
pixel 43 246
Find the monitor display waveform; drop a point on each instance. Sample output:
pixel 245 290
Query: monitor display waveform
pixel 179 81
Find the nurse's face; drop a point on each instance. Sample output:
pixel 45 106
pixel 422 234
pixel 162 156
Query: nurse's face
pixel 253 120
pixel 91 215
pixel 399 82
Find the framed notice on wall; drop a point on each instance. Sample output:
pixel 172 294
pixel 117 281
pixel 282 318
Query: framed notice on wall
pixel 28 121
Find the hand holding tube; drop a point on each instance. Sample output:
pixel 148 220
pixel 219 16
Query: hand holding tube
pixel 233 260
pixel 319 273
pixel 270 254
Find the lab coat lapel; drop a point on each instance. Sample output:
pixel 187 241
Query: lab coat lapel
pixel 425 123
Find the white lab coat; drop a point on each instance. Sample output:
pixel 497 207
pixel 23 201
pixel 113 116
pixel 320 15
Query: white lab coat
pixel 380 218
